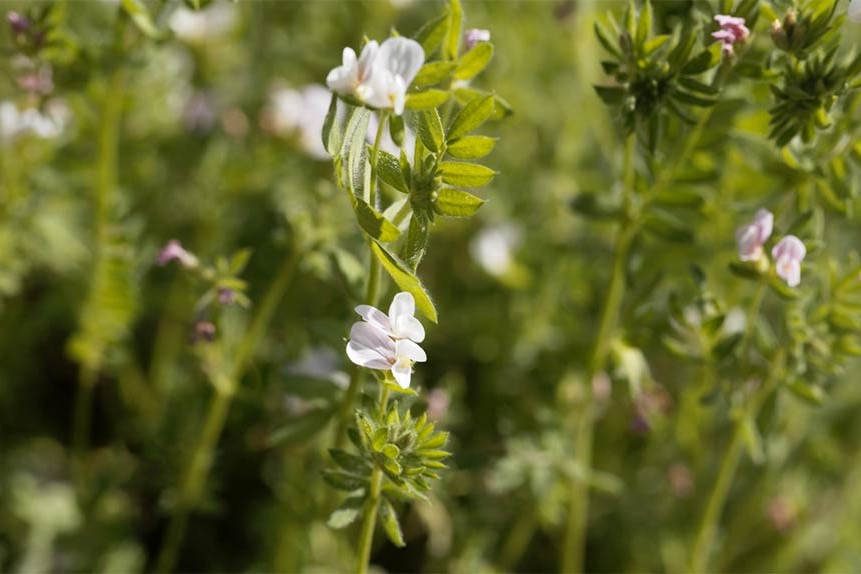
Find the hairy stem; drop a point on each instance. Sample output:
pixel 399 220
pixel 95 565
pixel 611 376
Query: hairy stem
pixel 707 531
pixel 578 512
pixel 369 520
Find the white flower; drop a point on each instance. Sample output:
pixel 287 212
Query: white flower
pixel 388 342
pixel 854 11
pixel 788 255
pixel 381 75
pixel 752 236
pixel 301 111
pixel 492 248
pixel 373 348
pixel 400 323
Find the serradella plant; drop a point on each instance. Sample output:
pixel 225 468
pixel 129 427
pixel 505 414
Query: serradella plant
pixel 418 86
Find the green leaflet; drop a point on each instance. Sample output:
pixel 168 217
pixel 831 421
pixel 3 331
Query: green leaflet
pixel 457 203
pixel 405 279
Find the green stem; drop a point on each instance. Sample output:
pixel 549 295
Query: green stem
pixel 707 530
pixel 517 540
pixel 106 183
pixel 369 520
pixel 201 459
pixel 578 512
pixel 195 478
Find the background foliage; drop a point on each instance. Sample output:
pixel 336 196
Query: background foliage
pixel 519 289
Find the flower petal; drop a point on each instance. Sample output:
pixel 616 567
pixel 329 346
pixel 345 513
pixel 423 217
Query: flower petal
pixel 367 357
pixel 405 348
pixel 403 305
pixel 375 317
pixel 408 328
pixel 371 337
pixel 403 373
pixel 402 57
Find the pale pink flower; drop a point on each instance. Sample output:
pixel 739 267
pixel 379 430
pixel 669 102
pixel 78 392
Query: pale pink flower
pixel 174 251
pixel 372 348
pixel 474 36
pixel 788 255
pixel 388 342
pixel 732 30
pixel 751 237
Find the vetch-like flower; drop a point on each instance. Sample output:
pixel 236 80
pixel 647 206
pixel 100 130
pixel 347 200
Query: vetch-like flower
pixel 854 12
pixel 752 236
pixel 475 36
pixel 788 255
pixel 373 348
pixel 732 30
pixel 400 323
pixel 175 251
pixel 381 75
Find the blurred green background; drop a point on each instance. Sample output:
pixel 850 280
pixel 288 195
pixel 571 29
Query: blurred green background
pixel 211 152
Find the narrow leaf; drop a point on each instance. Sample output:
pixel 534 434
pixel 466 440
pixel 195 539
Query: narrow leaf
pixel 405 279
pixel 470 117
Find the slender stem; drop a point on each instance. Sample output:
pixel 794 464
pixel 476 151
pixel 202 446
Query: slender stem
pixel 707 530
pixel 517 540
pixel 265 312
pixel 106 182
pixel 195 478
pixel 578 512
pixel 201 459
pixel 369 520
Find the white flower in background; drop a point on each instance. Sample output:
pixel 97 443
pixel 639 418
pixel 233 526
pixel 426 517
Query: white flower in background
pixel 400 323
pixel 788 255
pixel 751 237
pixel 475 36
pixel 854 12
pixel 388 342
pixel 492 248
pixel 196 26
pixel 302 112
pixel 381 75
pixel 46 125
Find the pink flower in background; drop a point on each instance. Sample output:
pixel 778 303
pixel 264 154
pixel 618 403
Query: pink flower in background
pixel 788 255
pixel 174 251
pixel 751 237
pixel 732 30
pixel 474 36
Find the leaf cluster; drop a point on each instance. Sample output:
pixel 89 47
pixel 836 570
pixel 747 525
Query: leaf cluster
pixel 654 74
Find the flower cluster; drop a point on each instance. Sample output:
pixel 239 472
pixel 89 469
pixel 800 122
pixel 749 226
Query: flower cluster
pixel 732 30
pixel 379 77
pixel 388 342
pixel 788 253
